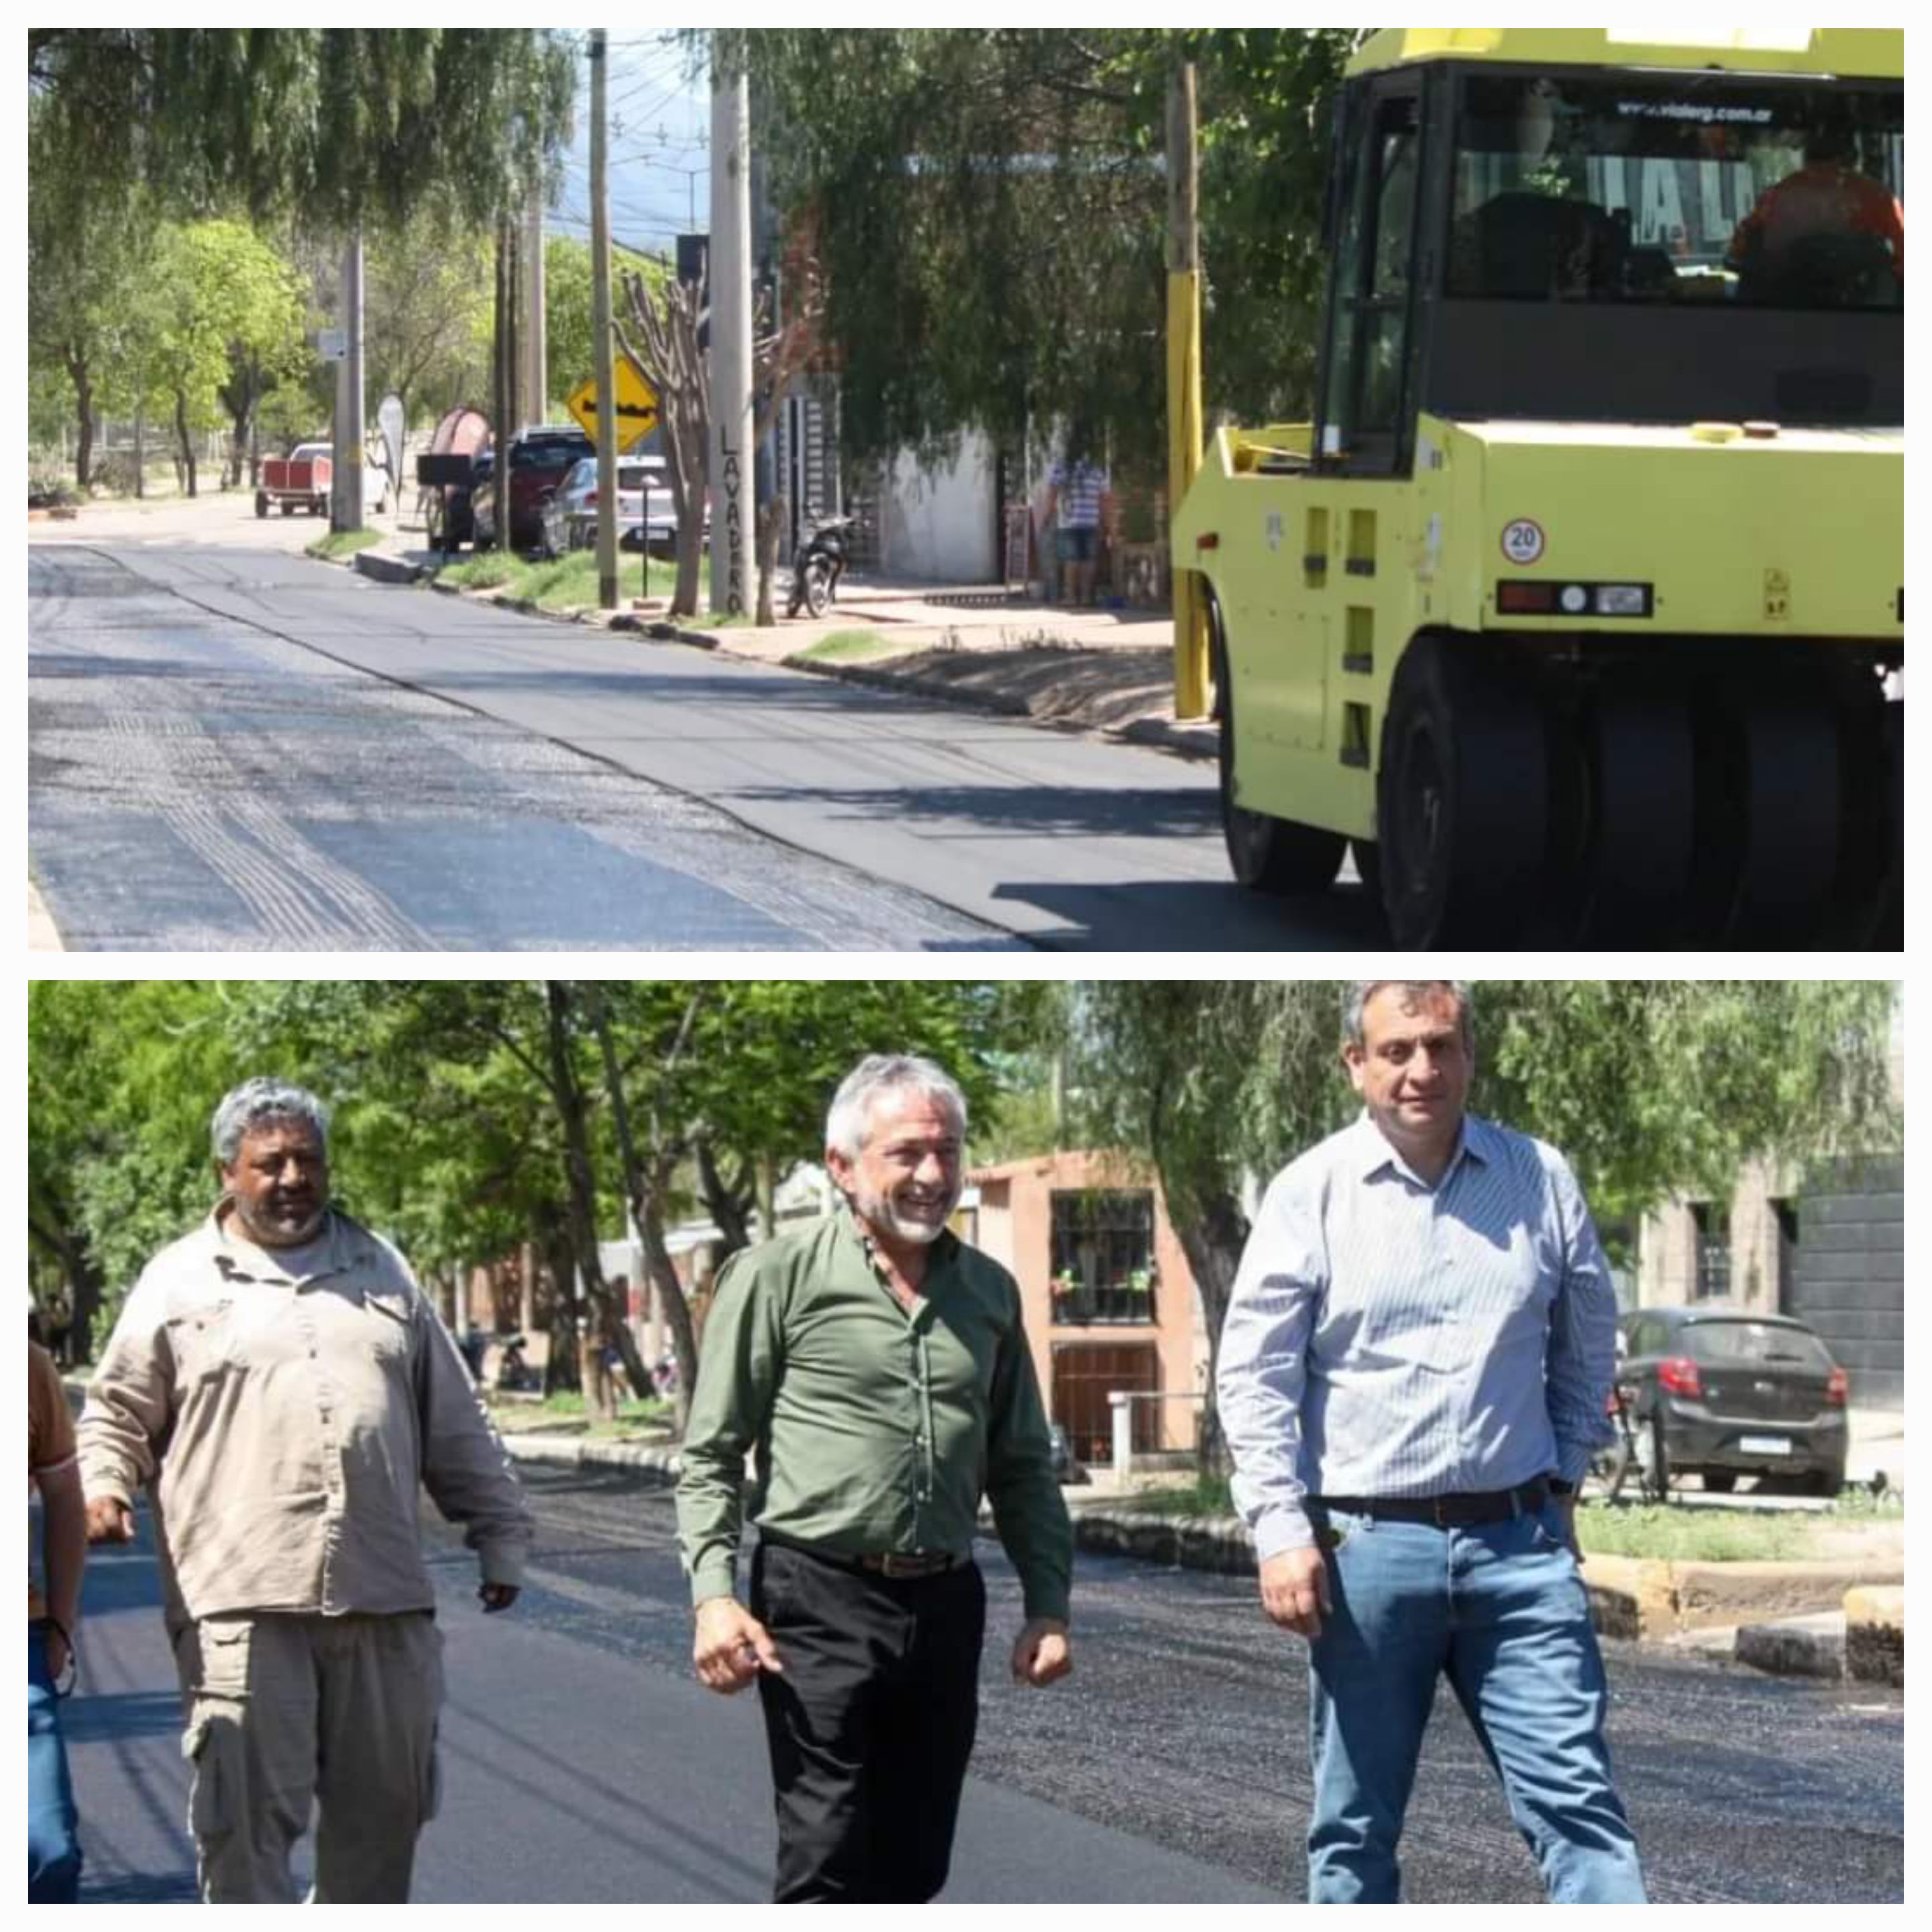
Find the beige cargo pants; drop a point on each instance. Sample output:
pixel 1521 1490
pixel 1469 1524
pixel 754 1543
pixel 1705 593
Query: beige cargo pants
pixel 286 1713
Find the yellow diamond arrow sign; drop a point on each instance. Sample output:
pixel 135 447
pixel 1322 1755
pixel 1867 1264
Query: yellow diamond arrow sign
pixel 637 407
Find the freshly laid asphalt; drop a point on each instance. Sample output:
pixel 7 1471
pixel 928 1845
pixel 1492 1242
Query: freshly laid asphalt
pixel 582 1762
pixel 238 749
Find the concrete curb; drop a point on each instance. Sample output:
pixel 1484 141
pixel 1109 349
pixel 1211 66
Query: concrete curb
pixel 1641 1598
pixel 1796 1647
pixel 1875 1634
pixel 372 563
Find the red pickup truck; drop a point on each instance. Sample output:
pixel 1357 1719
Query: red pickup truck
pixel 301 478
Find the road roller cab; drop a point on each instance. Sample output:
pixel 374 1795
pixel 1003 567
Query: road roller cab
pixel 1573 610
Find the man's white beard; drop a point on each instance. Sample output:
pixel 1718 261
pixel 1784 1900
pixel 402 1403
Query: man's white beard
pixel 879 1210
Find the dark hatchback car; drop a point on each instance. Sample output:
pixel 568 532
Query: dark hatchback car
pixel 1728 1393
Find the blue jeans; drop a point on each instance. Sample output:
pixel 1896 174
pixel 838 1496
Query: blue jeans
pixel 1500 1610
pixel 53 1849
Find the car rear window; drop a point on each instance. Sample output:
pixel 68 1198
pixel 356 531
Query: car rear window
pixel 547 455
pixel 1766 1344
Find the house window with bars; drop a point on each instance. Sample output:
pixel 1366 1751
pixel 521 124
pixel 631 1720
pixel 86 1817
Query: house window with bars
pixel 1713 1229
pixel 1103 1266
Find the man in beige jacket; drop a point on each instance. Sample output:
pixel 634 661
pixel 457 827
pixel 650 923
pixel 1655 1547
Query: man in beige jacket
pixel 284 1389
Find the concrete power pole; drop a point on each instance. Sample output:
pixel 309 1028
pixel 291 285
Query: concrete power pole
pixel 536 361
pixel 730 452
pixel 345 496
pixel 603 358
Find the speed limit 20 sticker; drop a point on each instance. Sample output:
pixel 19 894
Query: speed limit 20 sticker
pixel 1522 540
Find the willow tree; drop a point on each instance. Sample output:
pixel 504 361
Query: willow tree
pixel 1650 1087
pixel 988 206
pixel 333 125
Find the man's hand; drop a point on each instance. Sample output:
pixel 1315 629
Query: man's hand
pixel 109 1520
pixel 731 1646
pixel 496 1596
pixel 1294 1590
pixel 1041 1653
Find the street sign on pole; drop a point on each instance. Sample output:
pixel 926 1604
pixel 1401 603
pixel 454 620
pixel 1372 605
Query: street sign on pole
pixel 636 406
pixel 332 344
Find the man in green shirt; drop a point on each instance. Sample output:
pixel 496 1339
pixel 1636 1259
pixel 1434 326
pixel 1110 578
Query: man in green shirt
pixel 875 1369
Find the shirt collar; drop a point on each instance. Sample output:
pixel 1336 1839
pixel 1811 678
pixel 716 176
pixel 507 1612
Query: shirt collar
pixel 1375 1154
pixel 938 1254
pixel 240 1259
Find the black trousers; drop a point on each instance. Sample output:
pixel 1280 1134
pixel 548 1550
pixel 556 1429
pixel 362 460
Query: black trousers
pixel 871 1726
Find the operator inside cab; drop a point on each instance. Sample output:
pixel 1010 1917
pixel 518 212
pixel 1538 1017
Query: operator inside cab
pixel 1825 235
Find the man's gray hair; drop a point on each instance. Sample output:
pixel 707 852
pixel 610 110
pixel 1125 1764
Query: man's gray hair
pixel 1360 991
pixel 847 1124
pixel 259 1099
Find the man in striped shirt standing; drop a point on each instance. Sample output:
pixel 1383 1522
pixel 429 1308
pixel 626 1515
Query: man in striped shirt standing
pixel 1075 489
pixel 1413 1374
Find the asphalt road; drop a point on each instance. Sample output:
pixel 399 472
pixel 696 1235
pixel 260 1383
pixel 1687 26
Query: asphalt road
pixel 584 1763
pixel 245 749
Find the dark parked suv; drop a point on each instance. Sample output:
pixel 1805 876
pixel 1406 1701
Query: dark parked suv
pixel 539 460
pixel 1728 1393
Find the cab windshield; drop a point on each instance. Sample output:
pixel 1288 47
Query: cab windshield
pixel 1678 189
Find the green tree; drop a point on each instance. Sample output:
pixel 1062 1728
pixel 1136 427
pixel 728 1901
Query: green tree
pixel 87 263
pixel 337 125
pixel 990 205
pixel 426 312
pixel 216 296
pixel 1649 1087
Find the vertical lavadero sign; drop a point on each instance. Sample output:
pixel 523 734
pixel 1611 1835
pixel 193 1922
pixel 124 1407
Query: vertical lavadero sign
pixel 731 413
pixel 731 492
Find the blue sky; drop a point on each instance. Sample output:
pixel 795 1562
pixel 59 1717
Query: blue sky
pixel 660 160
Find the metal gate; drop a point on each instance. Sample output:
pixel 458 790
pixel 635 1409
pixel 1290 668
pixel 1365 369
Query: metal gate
pixel 1084 1373
pixel 1845 1273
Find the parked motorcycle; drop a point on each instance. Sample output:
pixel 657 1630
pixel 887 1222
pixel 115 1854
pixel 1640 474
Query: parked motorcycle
pixel 820 562
pixel 513 1372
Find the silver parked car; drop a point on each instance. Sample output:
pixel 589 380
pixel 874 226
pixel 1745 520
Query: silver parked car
pixel 644 513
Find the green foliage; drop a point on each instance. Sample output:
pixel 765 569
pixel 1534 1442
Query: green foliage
pixel 342 543
pixel 426 311
pixel 1648 1086
pixel 570 338
pixel 447 1133
pixel 342 124
pixel 990 206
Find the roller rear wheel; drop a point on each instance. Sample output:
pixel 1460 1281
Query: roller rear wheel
pixel 1641 763
pixel 1462 801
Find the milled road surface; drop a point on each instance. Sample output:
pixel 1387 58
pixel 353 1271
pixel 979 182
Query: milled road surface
pixel 242 750
pixel 585 1763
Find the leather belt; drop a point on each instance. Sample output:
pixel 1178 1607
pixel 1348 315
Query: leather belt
pixel 901 1565
pixel 897 1563
pixel 1449 1512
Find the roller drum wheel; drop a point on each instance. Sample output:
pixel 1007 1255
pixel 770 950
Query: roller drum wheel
pixel 1462 803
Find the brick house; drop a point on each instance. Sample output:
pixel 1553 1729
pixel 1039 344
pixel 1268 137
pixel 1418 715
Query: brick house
pixel 1110 1304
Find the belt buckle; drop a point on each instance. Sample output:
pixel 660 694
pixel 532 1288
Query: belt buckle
pixel 893 1563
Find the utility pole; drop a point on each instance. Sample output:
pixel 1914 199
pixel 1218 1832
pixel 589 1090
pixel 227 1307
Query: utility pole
pixel 536 361
pixel 730 452
pixel 1183 379
pixel 603 360
pixel 500 384
pixel 346 492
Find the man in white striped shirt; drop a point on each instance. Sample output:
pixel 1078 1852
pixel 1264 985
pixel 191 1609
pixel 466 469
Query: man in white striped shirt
pixel 1413 1373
